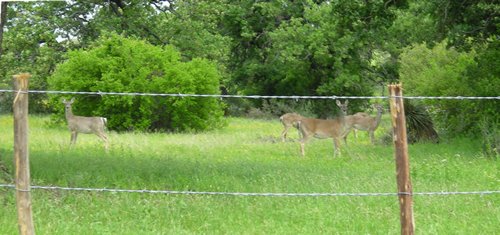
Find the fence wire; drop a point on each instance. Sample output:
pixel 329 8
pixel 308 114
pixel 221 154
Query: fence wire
pixel 173 192
pixel 99 93
pixel 296 97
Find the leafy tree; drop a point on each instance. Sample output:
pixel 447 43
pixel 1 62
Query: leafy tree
pixel 461 23
pixel 37 34
pixel 442 71
pixel 28 46
pixel 331 49
pixel 119 64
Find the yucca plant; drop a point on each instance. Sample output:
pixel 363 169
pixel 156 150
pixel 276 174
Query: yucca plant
pixel 419 124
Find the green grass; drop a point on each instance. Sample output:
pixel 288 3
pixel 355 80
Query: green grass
pixel 246 156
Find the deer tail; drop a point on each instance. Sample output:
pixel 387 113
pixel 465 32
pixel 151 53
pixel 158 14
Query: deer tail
pixel 104 121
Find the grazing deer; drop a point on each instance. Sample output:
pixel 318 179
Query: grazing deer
pixel 364 122
pixel 320 128
pixel 288 120
pixel 86 125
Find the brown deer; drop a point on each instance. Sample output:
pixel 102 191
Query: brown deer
pixel 289 120
pixel 86 125
pixel 364 122
pixel 320 128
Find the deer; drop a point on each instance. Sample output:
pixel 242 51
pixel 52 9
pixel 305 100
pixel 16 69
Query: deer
pixel 343 109
pixel 364 122
pixel 86 125
pixel 289 120
pixel 321 128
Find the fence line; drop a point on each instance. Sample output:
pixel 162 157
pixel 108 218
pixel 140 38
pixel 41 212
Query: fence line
pixel 252 194
pixel 296 97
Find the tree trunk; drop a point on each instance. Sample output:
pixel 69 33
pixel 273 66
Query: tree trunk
pixel 3 20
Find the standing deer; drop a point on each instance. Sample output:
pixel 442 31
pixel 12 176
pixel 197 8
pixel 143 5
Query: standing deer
pixel 343 108
pixel 320 128
pixel 86 125
pixel 364 122
pixel 288 120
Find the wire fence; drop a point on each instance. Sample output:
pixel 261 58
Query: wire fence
pixel 296 97
pixel 172 192
pixel 99 93
pixel 404 193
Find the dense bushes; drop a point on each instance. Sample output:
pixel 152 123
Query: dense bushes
pixel 443 71
pixel 120 64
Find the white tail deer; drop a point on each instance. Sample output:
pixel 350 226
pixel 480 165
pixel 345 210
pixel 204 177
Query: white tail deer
pixel 289 120
pixel 343 108
pixel 364 122
pixel 320 128
pixel 86 125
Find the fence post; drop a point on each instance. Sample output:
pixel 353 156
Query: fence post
pixel 402 161
pixel 21 155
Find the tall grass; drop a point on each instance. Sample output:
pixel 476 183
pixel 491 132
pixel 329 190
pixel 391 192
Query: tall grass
pixel 246 156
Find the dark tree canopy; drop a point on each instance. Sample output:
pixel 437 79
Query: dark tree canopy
pixel 307 47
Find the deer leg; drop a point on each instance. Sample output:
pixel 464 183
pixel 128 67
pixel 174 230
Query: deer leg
pixel 283 134
pixel 372 137
pixel 300 134
pixel 336 147
pixel 345 134
pixel 74 135
pixel 104 138
pixel 355 133
pixel 303 141
pixel 345 138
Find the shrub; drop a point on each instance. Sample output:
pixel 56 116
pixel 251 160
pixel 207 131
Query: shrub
pixel 118 64
pixel 442 71
pixel 419 124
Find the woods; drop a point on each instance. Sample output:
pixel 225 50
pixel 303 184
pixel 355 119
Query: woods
pixel 305 47
pixel 208 144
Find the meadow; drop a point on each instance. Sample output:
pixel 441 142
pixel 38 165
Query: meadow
pixel 245 156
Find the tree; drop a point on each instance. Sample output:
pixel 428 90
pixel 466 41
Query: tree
pixel 38 34
pixel 307 48
pixel 462 23
pixel 442 71
pixel 119 64
pixel 3 19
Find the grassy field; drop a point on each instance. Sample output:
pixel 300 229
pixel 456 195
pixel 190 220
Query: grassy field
pixel 246 156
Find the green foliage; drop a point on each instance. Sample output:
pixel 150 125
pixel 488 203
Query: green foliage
pixel 308 48
pixel 28 47
pixel 260 47
pixel 119 64
pixel 490 133
pixel 245 156
pixel 462 23
pixel 442 71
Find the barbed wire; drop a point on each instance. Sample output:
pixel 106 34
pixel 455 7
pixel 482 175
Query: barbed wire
pixel 296 97
pixel 249 194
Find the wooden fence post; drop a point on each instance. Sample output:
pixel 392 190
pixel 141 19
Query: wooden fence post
pixel 402 161
pixel 21 155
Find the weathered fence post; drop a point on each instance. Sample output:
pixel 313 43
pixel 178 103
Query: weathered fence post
pixel 21 155
pixel 402 162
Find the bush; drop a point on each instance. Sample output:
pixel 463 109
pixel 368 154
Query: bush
pixel 491 137
pixel 419 124
pixel 118 64
pixel 442 71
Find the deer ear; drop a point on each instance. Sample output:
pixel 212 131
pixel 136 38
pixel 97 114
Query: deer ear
pixel 64 100
pixel 338 102
pixel 346 102
pixel 72 100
